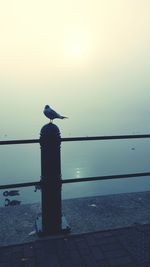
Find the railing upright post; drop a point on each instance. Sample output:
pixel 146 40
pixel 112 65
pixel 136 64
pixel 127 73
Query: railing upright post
pixel 50 142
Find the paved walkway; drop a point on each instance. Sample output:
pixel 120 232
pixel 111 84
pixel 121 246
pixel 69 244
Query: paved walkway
pixel 124 247
pixel 84 215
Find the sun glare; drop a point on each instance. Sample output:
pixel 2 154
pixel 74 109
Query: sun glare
pixel 76 50
pixel 76 46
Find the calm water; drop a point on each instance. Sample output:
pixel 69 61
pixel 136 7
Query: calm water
pixel 21 163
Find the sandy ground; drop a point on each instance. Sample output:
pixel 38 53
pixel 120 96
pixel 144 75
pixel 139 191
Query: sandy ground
pixel 82 214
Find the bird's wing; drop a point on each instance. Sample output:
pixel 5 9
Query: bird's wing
pixel 54 113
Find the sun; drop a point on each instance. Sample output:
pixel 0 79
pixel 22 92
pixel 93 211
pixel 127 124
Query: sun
pixel 76 47
pixel 76 50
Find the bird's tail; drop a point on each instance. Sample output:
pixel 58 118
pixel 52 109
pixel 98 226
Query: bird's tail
pixel 63 117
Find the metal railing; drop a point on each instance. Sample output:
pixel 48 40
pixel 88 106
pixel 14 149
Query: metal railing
pixel 82 138
pixel 77 139
pixel 72 180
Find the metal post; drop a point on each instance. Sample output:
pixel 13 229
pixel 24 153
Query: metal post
pixel 51 220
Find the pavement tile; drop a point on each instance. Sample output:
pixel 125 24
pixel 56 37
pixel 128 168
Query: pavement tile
pixel 115 254
pixel 30 263
pixel 17 263
pixel 17 256
pixel 146 264
pixel 5 264
pixel 60 245
pixel 38 244
pixel 48 260
pixel 85 252
pixel 104 239
pixel 111 246
pixel 90 240
pixel 28 250
pixel 103 263
pixel 127 247
pixel 5 256
pixel 68 263
pixel 39 256
pixel 97 253
pixel 63 254
pixel 17 248
pixel 87 258
pixel 70 244
pixel 81 243
pixel 120 261
pixel 75 257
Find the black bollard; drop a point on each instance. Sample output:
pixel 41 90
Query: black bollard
pixel 50 223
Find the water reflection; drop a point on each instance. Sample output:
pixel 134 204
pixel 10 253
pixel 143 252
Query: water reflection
pixel 79 172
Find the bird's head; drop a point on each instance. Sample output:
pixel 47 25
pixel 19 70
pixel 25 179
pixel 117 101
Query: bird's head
pixel 47 106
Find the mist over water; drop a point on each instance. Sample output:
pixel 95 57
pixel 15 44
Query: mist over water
pixel 90 63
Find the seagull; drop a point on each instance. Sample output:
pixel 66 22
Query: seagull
pixel 52 114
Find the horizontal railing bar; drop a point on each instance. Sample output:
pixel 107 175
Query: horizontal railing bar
pixel 109 137
pixel 7 186
pixel 76 180
pixel 70 139
pixel 15 142
pixel 107 177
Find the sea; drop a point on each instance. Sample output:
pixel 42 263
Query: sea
pixel 80 159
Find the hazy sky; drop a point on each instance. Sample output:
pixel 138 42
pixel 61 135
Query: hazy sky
pixel 89 59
